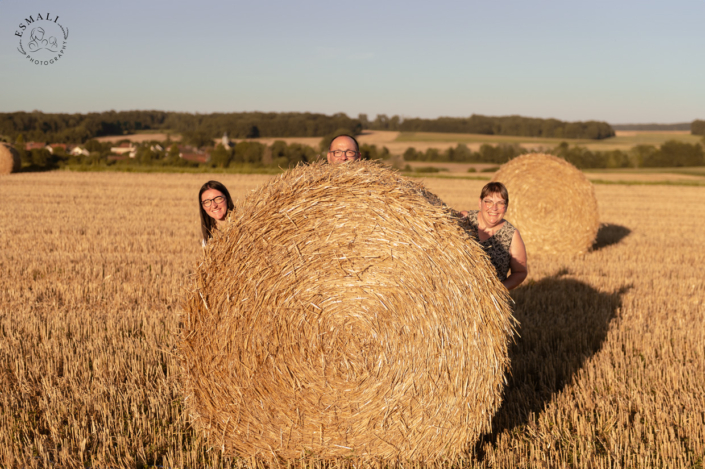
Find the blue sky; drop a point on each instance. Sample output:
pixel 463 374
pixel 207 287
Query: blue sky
pixel 618 61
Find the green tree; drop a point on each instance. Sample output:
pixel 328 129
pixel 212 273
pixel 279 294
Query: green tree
pixel 248 152
pixel 615 159
pixel 432 154
pixel 640 153
pixel 298 153
pixel 697 127
pixel 172 156
pixel 674 153
pixel 94 145
pixel 145 156
pixel 460 154
pixel 197 138
pixel 369 152
pixel 220 157
pixel 41 159
pixel 411 154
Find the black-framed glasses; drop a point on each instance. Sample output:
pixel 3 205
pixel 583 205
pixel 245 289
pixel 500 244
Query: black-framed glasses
pixel 347 153
pixel 207 203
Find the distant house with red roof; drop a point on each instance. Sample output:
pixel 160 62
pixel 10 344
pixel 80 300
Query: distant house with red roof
pixel 189 153
pixel 35 145
pixel 55 146
pixel 125 147
pixel 78 151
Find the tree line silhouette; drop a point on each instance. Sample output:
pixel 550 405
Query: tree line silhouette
pixel 697 127
pixel 487 125
pixel 202 128
pixel 251 155
pixel 198 129
pixel 244 155
pixel 670 154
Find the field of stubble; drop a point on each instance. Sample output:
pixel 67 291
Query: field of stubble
pixel 609 370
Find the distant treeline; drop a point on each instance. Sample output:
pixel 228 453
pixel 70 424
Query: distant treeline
pixel 653 127
pixel 498 154
pixel 198 129
pixel 671 154
pixel 243 154
pixel 280 154
pixel 486 125
pixel 697 127
pixel 201 129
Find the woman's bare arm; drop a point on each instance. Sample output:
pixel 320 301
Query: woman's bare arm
pixel 518 263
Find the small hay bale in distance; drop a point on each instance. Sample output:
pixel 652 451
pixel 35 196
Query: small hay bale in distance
pixel 552 204
pixel 9 159
pixel 344 315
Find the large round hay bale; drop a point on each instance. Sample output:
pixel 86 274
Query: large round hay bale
pixel 552 204
pixel 9 159
pixel 344 314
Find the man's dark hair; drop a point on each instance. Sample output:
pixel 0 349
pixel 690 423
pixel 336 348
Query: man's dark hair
pixel 495 188
pixel 357 145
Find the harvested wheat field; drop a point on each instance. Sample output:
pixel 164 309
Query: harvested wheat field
pixel 609 370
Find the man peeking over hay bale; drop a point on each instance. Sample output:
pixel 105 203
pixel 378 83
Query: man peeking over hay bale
pixel 9 159
pixel 344 315
pixel 553 204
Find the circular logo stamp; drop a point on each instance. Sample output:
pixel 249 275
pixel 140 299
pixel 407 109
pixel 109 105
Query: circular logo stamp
pixel 42 39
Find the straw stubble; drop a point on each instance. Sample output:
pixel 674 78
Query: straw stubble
pixel 344 313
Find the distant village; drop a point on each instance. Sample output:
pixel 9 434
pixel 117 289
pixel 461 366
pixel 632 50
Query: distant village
pixel 125 150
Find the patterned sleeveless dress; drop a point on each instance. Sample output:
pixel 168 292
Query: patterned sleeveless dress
pixel 497 246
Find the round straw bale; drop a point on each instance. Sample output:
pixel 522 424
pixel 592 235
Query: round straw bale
pixel 9 159
pixel 551 202
pixel 344 313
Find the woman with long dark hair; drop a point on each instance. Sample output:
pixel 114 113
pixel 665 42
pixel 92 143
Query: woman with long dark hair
pixel 215 204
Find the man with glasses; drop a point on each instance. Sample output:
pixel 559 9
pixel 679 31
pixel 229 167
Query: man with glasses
pixel 343 148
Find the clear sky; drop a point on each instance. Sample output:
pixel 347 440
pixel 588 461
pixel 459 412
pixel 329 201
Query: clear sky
pixel 620 61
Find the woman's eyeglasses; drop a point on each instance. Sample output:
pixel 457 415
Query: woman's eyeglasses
pixel 207 203
pixel 489 204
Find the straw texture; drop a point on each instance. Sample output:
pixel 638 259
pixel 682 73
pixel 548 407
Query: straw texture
pixel 9 159
pixel 552 204
pixel 344 315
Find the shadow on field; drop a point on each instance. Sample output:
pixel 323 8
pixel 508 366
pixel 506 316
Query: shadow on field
pixel 563 322
pixel 609 234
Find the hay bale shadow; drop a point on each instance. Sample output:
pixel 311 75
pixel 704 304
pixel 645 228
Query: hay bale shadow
pixel 563 322
pixel 609 234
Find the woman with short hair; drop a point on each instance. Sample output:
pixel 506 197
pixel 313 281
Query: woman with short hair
pixel 215 204
pixel 499 238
